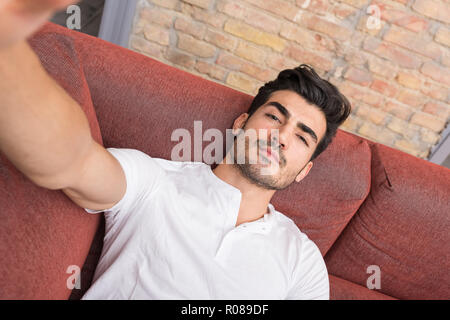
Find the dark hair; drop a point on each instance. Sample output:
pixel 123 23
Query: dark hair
pixel 315 90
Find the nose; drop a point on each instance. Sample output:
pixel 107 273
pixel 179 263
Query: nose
pixel 279 138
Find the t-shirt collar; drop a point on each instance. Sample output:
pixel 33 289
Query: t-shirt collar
pixel 262 225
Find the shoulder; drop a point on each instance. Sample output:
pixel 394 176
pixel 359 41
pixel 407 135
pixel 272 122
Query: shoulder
pixel 291 229
pixel 301 239
pixel 140 158
pixel 308 272
pixel 171 165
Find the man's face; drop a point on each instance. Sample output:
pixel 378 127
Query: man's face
pixel 283 157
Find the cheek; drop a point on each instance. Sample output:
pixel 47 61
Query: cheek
pixel 296 161
pixel 259 123
pixel 260 132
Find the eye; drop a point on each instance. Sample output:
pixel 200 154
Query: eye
pixel 303 139
pixel 272 116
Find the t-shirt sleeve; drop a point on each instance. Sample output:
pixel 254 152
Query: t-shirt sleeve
pixel 142 173
pixel 310 277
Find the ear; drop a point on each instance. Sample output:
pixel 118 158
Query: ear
pixel 239 122
pixel 304 172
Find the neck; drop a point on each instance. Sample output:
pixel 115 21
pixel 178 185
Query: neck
pixel 255 199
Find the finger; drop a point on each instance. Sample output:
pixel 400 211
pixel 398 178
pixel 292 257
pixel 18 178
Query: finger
pixel 37 6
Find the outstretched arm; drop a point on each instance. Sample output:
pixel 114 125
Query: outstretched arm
pixel 43 131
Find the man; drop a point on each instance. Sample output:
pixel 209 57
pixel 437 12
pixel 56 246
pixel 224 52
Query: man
pixel 175 230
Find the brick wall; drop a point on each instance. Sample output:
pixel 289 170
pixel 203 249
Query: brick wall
pixel 395 70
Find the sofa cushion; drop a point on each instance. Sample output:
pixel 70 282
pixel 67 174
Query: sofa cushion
pixel 341 289
pixel 402 227
pixel 42 232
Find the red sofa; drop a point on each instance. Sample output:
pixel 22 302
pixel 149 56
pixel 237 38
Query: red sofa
pixel 363 203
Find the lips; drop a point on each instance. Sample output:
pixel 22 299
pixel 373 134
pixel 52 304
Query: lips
pixel 272 154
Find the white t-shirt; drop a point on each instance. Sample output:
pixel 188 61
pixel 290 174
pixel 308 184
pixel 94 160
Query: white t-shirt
pixel 173 236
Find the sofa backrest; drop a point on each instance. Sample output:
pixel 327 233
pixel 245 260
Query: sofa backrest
pixel 403 228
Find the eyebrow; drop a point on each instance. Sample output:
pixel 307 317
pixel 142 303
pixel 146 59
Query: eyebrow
pixel 287 114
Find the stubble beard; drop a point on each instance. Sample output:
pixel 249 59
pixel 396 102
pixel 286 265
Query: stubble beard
pixel 253 172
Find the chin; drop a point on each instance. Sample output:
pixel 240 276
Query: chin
pixel 263 176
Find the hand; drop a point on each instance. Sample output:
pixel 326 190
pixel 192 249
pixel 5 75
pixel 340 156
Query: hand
pixel 20 18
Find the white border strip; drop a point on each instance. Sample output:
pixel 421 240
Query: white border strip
pixel 117 21
pixel 440 152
